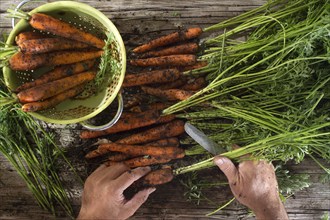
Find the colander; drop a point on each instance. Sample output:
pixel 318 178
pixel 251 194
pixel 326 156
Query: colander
pixel 77 110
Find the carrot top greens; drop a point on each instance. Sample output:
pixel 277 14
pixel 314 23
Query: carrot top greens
pixel 268 93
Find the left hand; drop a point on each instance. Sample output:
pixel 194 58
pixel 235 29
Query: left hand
pixel 103 193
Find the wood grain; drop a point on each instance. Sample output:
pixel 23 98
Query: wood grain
pixel 139 21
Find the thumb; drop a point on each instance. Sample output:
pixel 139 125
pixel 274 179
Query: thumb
pixel 137 200
pixel 227 167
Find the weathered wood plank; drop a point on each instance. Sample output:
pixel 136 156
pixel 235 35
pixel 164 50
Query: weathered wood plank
pixel 139 21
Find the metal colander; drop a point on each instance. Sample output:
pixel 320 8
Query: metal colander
pixel 86 105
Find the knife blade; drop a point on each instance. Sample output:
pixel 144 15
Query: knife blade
pixel 207 143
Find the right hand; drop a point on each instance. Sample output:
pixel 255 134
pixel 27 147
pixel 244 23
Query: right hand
pixel 254 184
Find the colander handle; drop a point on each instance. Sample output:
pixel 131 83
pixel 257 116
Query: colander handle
pixel 18 7
pixel 112 122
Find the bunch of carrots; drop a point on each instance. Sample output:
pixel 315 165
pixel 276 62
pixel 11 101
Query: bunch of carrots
pixel 70 52
pixel 147 136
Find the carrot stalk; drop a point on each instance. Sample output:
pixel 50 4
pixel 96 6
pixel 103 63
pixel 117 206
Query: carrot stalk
pixel 171 129
pixel 156 76
pixel 53 88
pixel 169 94
pixel 52 101
pixel 158 177
pixel 58 73
pixel 125 124
pixel 169 39
pixel 55 26
pixel 170 60
pixel 187 48
pixel 20 61
pixel 195 85
pixel 45 45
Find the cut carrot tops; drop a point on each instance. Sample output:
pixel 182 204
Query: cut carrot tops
pixel 169 39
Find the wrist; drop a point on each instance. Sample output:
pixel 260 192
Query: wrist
pixel 272 210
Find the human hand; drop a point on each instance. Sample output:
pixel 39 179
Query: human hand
pixel 103 193
pixel 254 184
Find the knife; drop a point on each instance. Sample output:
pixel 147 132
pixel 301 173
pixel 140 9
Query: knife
pixel 207 143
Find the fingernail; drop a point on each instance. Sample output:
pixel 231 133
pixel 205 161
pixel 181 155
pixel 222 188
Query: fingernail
pixel 219 161
pixel 151 190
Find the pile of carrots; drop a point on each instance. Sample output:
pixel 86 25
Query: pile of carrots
pixel 146 136
pixel 70 52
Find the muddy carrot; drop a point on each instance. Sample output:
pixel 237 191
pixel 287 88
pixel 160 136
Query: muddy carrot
pixel 58 73
pixel 169 39
pixel 55 26
pixel 118 157
pixel 195 85
pixel 141 150
pixel 139 120
pixel 173 85
pixel 197 65
pixel 171 129
pixel 20 61
pixel 165 142
pixel 170 60
pixel 187 48
pixel 45 45
pixel 156 76
pixel 29 35
pixel 145 107
pixel 53 88
pixel 132 100
pixel 142 161
pixel 158 177
pixel 52 101
pixel 169 94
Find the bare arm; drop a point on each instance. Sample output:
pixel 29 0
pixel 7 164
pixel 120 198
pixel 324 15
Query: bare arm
pixel 254 184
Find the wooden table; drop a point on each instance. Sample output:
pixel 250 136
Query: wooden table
pixel 139 21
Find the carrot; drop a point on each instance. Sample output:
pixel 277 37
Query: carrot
pixel 173 85
pixel 156 76
pixel 58 73
pixel 187 48
pixel 145 107
pixel 197 65
pixel 53 88
pixel 195 85
pixel 165 142
pixel 55 26
pixel 132 100
pixel 170 60
pixel 139 120
pixel 142 161
pixel 45 45
pixel 118 157
pixel 158 177
pixel 141 150
pixel 170 129
pixel 52 101
pixel 169 39
pixel 20 61
pixel 29 35
pixel 169 94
